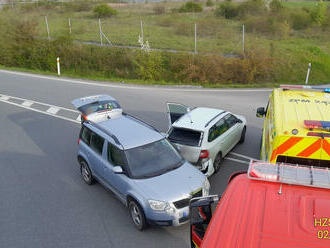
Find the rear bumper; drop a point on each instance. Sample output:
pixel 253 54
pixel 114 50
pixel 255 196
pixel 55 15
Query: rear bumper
pixel 205 166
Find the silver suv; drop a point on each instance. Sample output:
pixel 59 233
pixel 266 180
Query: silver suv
pixel 142 168
pixel 204 135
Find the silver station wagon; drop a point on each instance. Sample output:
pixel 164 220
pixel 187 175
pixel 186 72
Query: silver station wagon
pixel 141 167
pixel 204 136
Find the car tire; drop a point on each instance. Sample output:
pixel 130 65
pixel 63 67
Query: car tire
pixel 242 139
pixel 86 172
pixel 217 162
pixel 137 215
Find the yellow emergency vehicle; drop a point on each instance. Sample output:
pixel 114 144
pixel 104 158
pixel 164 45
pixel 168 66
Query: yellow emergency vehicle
pixel 297 126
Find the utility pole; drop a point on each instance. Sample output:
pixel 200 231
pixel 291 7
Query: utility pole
pixel 142 30
pixel 70 30
pixel 195 38
pixel 243 38
pixel 47 27
pixel 100 28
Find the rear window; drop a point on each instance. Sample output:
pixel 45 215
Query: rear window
pixel 185 136
pixel 99 106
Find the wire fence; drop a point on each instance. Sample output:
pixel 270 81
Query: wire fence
pixel 167 32
pixel 191 37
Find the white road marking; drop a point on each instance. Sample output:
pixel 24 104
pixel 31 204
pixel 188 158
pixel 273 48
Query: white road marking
pixel 39 111
pixel 242 156
pixel 237 160
pixel 27 103
pixel 112 85
pixel 53 110
pixel 5 98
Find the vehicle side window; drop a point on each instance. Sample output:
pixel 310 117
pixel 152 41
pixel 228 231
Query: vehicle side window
pixel 231 120
pixel 115 155
pixel 97 143
pixel 217 129
pixel 85 135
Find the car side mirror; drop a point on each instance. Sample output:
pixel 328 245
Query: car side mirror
pixel 117 170
pixel 261 112
pixel 239 121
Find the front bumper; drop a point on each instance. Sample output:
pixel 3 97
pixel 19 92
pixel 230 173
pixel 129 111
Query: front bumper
pixel 177 218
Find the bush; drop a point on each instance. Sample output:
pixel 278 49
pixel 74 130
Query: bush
pixel 104 10
pixel 318 14
pixel 148 65
pixel 191 7
pixel 300 20
pixel 227 10
pixel 276 6
pixel 159 10
pixel 209 3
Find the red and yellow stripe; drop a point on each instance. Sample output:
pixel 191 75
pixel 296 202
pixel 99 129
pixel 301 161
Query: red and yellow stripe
pixel 317 148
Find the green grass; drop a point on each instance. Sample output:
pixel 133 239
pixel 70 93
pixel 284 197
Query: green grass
pixel 124 81
pixel 301 4
pixel 176 31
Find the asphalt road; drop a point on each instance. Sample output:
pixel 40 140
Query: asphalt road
pixel 43 200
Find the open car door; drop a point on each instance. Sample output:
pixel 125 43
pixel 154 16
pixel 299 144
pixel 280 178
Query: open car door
pixel 97 108
pixel 175 111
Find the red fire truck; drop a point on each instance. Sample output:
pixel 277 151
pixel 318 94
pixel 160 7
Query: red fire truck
pixel 271 205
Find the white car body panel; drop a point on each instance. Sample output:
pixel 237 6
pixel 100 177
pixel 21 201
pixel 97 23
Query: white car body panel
pixel 202 119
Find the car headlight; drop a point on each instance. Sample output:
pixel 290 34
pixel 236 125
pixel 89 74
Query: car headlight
pixel 158 205
pixel 206 187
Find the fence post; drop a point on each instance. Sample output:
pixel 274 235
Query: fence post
pixel 195 38
pixel 58 67
pixel 100 28
pixel 142 30
pixel 243 38
pixel 47 27
pixel 70 30
pixel 308 71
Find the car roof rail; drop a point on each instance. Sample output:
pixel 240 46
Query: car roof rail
pixel 141 121
pixel 105 131
pixel 214 118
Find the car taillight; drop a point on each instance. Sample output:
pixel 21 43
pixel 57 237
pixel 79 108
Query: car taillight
pixel 204 154
pixel 84 117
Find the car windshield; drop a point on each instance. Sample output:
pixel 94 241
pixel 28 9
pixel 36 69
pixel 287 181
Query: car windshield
pixel 99 106
pixel 184 136
pixel 153 159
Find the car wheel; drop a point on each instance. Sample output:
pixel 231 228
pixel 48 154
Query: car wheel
pixel 242 135
pixel 217 162
pixel 86 173
pixel 137 215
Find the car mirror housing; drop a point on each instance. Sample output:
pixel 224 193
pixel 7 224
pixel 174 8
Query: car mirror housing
pixel 260 112
pixel 117 170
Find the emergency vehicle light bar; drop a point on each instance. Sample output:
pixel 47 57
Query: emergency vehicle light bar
pixel 317 124
pixel 290 174
pixel 289 86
